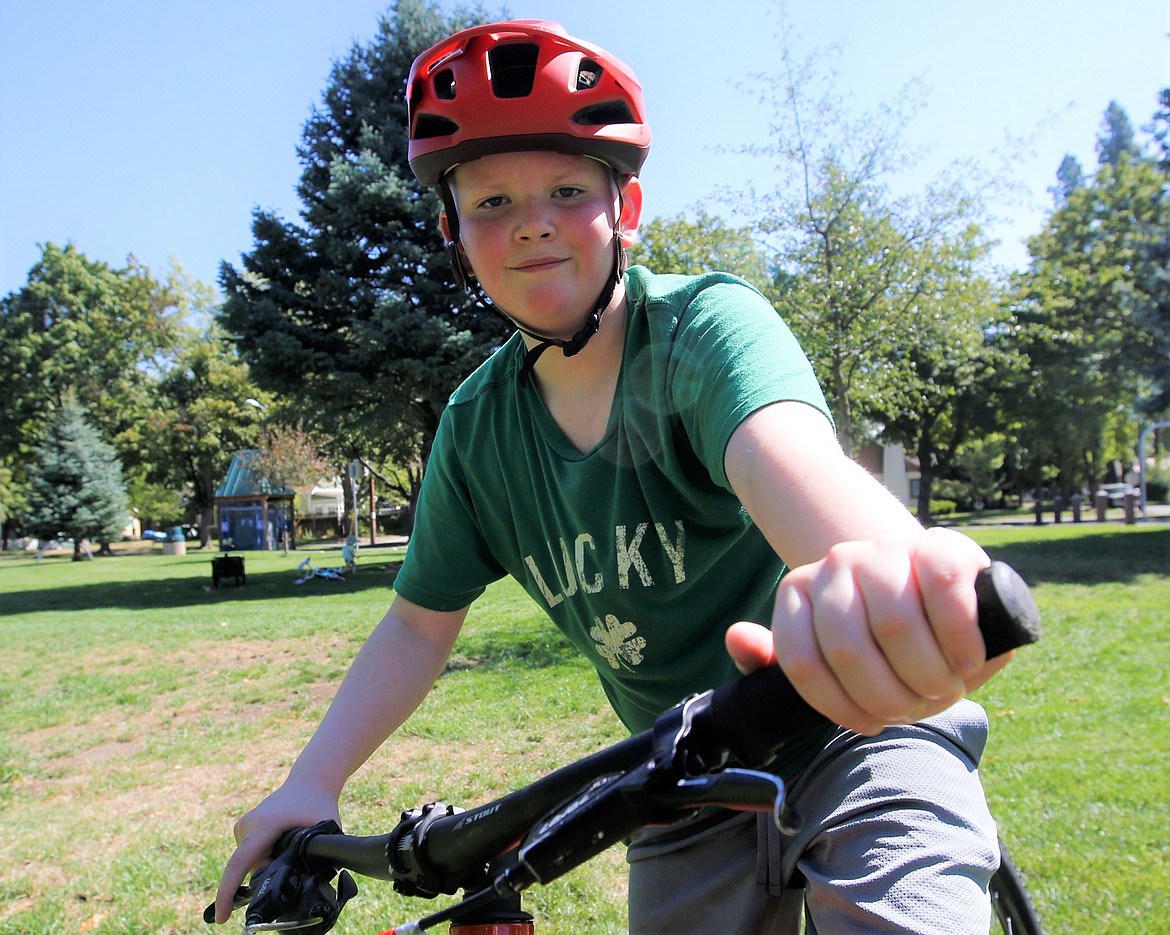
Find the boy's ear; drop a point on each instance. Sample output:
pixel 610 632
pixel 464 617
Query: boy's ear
pixel 631 216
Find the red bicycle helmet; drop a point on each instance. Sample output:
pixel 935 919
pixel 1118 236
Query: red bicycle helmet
pixel 522 85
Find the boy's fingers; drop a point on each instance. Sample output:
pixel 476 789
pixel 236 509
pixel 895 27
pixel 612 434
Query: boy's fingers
pixel 944 577
pixel 239 865
pixel 806 667
pixel 750 646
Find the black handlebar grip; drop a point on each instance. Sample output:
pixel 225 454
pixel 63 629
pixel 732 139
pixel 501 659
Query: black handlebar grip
pixel 1008 615
pixel 754 715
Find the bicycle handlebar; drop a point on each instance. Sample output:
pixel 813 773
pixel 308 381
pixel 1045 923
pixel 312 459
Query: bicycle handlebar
pixel 438 849
pixel 750 718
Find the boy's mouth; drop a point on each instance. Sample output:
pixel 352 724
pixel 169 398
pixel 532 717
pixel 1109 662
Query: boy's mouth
pixel 537 264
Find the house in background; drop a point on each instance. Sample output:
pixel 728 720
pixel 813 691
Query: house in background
pixel 251 514
pixel 889 464
pixel 326 499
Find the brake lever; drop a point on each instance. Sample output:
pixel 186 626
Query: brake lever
pixel 252 929
pixel 244 894
pixel 744 790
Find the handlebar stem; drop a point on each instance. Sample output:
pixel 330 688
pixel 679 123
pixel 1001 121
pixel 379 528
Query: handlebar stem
pixel 412 873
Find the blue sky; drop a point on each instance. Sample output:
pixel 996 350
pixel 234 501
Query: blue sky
pixel 153 127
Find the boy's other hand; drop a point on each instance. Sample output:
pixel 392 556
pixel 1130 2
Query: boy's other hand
pixel 258 831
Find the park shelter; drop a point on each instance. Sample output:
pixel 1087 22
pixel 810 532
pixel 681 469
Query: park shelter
pixel 252 514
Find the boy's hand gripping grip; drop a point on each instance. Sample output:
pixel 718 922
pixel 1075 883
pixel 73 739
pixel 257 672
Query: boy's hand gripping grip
pixel 754 715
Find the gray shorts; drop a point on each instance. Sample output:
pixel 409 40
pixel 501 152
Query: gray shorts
pixel 894 836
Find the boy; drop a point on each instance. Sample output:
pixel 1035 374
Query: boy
pixel 647 456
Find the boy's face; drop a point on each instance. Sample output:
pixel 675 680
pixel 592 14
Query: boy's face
pixel 537 229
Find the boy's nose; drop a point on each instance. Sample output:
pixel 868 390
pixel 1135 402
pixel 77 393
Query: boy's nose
pixel 534 225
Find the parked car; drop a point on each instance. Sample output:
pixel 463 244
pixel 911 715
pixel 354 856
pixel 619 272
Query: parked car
pixel 1117 492
pixel 154 535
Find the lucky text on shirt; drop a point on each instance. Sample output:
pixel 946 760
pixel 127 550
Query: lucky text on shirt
pixel 579 568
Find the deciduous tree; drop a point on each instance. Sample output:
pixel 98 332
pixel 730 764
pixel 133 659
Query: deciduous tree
pixel 938 386
pixel 290 457
pixel 80 328
pixel 690 247
pixel 856 268
pixel 198 422
pixel 1087 312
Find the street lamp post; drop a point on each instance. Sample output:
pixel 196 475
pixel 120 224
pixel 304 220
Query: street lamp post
pixel 256 404
pixel 1142 460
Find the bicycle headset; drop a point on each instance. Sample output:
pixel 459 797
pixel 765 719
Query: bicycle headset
pixel 524 85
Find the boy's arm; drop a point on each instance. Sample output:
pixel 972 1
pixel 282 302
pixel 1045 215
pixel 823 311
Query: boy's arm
pixel 388 679
pixel 876 623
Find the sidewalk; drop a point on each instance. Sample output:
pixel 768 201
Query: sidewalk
pixel 1156 513
pixel 383 542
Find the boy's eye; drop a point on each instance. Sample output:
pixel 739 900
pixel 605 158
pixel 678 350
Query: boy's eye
pixel 493 202
pixel 567 191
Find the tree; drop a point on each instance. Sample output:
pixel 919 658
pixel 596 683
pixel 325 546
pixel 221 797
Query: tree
pixel 11 504
pixel 1159 129
pixel 197 423
pixel 353 316
pixel 939 384
pixel 1085 315
pixel 678 245
pixel 83 329
pixel 75 483
pixel 855 267
pixel 980 463
pixel 1069 177
pixel 290 457
pixel 1116 139
pixel 1153 271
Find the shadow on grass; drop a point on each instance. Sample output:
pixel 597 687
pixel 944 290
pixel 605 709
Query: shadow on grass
pixel 1089 559
pixel 191 591
pixel 1117 557
pixel 524 654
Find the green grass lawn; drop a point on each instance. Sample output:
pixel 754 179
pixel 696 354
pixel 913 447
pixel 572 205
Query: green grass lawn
pixel 142 711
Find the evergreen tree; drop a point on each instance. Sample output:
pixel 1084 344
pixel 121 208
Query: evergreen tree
pixel 1069 177
pixel 1116 138
pixel 353 317
pixel 75 484
pixel 1159 129
pixel 1153 269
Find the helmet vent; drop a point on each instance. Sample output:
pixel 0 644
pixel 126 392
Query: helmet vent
pixel 588 74
pixel 607 112
pixel 429 126
pixel 445 85
pixel 513 69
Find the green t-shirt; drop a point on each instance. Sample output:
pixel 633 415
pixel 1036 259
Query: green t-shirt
pixel 637 550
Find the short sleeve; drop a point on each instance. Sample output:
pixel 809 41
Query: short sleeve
pixel 733 354
pixel 448 563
